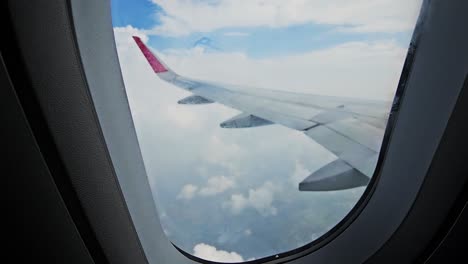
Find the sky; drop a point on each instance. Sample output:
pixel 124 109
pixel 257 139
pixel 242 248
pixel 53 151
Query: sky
pixel 231 195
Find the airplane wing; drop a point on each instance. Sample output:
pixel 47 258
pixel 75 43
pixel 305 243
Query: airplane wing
pixel 352 129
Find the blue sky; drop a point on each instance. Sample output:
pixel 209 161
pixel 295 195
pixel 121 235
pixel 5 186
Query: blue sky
pixel 139 13
pixel 232 194
pixel 258 42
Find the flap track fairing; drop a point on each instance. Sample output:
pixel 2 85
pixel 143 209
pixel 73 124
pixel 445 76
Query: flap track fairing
pixel 245 120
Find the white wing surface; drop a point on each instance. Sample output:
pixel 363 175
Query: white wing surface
pixel 352 129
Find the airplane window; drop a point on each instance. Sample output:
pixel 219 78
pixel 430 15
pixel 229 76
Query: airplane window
pixel 260 122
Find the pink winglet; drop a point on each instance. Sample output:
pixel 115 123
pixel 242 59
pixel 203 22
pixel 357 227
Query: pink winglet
pixel 157 66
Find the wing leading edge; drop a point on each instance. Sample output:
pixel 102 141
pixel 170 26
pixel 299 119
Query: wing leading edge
pixel 352 129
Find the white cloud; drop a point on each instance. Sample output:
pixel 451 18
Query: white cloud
pixel 247 232
pixel 260 199
pixel 123 38
pixel 208 252
pixel 187 192
pixel 356 69
pixel 182 17
pixel 216 185
pixel 182 117
pixel 299 174
pixel 223 152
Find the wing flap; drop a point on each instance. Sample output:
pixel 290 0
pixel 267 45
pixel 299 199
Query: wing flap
pixel 337 175
pixel 360 132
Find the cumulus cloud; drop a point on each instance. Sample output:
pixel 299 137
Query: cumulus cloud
pixel 214 185
pixel 260 199
pixel 187 192
pixel 182 17
pixel 208 252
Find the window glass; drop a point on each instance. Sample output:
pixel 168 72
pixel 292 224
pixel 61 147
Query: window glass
pixel 260 122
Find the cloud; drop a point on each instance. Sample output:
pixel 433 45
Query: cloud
pixel 208 252
pixel 356 69
pixel 299 174
pixel 187 192
pixel 182 117
pixel 183 17
pixel 123 36
pixel 216 185
pixel 260 199
pixel 224 152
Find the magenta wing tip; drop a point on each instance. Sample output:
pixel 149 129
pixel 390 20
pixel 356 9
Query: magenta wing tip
pixel 157 66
